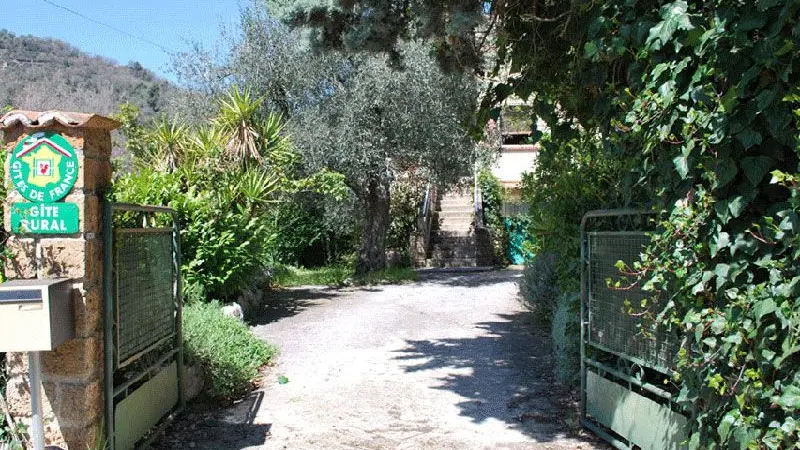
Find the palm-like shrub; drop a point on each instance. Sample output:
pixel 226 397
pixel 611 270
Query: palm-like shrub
pixel 170 140
pixel 239 119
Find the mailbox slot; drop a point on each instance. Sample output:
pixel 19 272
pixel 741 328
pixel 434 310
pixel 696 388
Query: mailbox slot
pixel 21 296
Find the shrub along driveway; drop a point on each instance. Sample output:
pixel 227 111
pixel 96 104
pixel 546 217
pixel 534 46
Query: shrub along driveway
pixel 449 362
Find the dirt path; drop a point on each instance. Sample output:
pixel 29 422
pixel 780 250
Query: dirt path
pixel 449 362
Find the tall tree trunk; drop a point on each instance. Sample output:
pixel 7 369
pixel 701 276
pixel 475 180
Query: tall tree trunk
pixel 372 255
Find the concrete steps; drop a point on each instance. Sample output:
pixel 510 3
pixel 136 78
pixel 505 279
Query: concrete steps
pixel 452 240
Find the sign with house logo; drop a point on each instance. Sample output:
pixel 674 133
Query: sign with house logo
pixel 43 168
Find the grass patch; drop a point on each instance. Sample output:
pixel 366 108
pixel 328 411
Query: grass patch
pixel 338 275
pixel 333 275
pixel 388 276
pixel 228 352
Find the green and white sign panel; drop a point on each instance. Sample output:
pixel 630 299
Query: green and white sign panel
pixel 43 168
pixel 44 218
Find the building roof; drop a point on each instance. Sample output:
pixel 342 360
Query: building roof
pixel 34 119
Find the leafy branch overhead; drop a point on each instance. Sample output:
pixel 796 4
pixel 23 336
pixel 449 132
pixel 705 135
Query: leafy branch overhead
pixel 697 102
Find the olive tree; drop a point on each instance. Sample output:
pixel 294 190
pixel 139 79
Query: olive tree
pixel 357 115
pixel 377 122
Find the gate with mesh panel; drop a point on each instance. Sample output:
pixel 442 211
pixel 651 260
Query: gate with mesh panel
pixel 626 359
pixel 143 344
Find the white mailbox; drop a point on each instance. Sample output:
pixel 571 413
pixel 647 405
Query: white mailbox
pixel 35 315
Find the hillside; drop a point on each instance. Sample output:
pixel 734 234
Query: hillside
pixel 42 74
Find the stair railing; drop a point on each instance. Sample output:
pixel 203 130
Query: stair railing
pixel 479 222
pixel 424 220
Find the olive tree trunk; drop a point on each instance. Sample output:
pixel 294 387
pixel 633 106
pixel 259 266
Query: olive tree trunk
pixel 372 255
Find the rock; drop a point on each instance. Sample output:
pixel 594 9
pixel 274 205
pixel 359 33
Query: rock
pixel 193 381
pixel 394 259
pixel 233 310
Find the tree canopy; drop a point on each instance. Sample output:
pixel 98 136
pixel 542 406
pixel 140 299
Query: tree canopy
pixel 700 99
pixel 353 114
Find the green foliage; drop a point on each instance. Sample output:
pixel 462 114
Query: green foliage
pixel 705 106
pixel 393 275
pixel 565 333
pixel 492 197
pixel 315 230
pixel 539 286
pixel 229 354
pixel 136 138
pixel 12 434
pixel 690 98
pixel 378 123
pixel 340 274
pixel 407 195
pixel 226 212
pixel 570 178
pixel 333 275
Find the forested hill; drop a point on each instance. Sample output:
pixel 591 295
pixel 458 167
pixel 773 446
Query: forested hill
pixel 41 74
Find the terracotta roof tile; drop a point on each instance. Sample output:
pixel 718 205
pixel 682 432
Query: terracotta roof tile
pixel 34 119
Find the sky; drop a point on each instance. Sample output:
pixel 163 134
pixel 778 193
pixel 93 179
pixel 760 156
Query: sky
pixel 148 29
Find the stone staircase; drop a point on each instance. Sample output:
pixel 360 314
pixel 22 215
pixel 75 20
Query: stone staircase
pixel 453 242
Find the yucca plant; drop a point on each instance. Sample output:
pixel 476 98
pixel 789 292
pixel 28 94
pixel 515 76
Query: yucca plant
pixel 276 144
pixel 239 120
pixel 171 139
pixel 257 187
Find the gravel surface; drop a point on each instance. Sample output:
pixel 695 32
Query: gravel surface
pixel 449 362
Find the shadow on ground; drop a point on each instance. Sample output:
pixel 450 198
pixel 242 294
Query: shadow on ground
pixel 505 374
pixel 472 278
pixel 203 427
pixel 283 303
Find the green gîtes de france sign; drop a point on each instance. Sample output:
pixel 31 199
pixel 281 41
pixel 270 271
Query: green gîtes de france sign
pixel 43 168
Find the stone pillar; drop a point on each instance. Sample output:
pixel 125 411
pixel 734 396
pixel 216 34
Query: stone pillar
pixel 73 373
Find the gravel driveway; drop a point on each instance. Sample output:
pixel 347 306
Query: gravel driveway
pixel 449 362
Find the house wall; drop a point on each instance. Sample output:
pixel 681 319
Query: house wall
pixel 514 160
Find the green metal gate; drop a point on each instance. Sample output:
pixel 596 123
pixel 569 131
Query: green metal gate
pixel 626 362
pixel 143 343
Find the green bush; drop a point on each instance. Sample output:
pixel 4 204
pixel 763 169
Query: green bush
pixel 492 196
pixel 229 354
pixel 565 333
pixel 229 182
pixel 539 286
pixel 406 197
pixel 223 245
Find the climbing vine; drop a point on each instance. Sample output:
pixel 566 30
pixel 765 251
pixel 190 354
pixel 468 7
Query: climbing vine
pixel 709 102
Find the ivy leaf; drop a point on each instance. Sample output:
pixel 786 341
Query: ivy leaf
pixel 749 138
pixel 737 205
pixel 674 17
pixel 722 271
pixel 765 97
pixel 756 167
pixel 790 398
pixel 728 100
pixel 764 307
pixel 722 240
pixel 591 51
pixel 727 422
pixel 726 172
pixel 681 165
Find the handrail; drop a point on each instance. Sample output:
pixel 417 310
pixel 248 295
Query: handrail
pixel 425 216
pixel 424 212
pixel 478 196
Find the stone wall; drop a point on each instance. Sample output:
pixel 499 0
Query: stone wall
pixel 73 373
